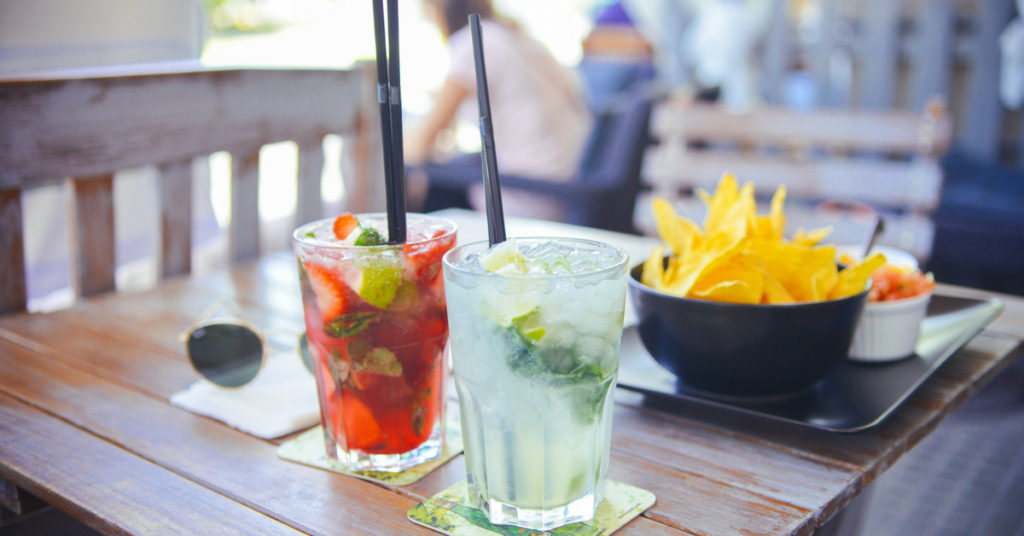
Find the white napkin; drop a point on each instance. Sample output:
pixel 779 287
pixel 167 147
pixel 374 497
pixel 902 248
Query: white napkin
pixel 280 400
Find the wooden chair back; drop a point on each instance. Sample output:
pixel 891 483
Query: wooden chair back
pixel 84 126
pixel 885 161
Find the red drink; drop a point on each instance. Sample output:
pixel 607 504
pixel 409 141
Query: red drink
pixel 377 327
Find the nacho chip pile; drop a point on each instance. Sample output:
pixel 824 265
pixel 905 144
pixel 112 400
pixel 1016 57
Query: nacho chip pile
pixel 741 257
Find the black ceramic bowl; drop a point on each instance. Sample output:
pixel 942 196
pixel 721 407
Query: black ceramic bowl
pixel 744 351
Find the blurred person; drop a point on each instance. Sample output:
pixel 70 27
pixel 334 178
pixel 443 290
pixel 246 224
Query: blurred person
pixel 662 23
pixel 1011 47
pixel 705 45
pixel 540 119
pixel 616 55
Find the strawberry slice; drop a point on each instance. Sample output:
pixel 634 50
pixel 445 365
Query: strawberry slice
pixel 329 291
pixel 424 259
pixel 361 429
pixel 344 225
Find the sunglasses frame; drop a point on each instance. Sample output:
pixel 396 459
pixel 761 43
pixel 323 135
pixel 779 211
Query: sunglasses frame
pixel 207 319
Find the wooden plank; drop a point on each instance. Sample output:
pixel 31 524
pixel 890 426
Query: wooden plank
pixel 235 465
pixel 148 327
pixel 17 500
pixel 878 54
pixel 244 231
pixel 308 201
pixel 787 477
pixel 932 52
pixel 915 185
pixel 13 290
pixel 91 338
pixel 96 123
pixel 850 130
pixel 695 505
pixel 108 488
pixel 979 132
pixel 176 218
pixel 92 235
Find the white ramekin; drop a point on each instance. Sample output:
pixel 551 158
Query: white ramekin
pixel 889 330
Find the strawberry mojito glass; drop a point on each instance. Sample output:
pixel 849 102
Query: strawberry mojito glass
pixel 377 326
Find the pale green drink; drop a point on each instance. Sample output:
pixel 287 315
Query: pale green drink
pixel 535 334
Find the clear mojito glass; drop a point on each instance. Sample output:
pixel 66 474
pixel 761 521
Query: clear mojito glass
pixel 536 329
pixel 377 329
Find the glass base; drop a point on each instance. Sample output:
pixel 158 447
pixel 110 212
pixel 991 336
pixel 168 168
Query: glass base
pixel 577 511
pixel 358 460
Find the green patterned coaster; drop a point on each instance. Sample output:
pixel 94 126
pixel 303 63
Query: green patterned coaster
pixel 449 512
pixel 308 448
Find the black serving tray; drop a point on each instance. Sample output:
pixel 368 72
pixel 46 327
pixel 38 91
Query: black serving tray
pixel 854 398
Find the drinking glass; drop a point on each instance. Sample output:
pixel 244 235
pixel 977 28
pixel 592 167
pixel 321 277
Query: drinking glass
pixel 377 328
pixel 535 357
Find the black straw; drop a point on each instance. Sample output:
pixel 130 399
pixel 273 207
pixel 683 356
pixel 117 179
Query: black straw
pixel 489 162
pixel 389 99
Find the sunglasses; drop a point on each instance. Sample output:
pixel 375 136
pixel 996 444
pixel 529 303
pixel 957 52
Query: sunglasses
pixel 230 352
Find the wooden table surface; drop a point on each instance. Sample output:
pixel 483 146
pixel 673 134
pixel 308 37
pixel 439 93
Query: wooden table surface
pixel 85 424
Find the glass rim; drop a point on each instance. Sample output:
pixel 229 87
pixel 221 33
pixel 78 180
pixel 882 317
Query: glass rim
pixel 299 237
pixel 623 260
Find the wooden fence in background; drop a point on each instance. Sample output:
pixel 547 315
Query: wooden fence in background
pixel 897 54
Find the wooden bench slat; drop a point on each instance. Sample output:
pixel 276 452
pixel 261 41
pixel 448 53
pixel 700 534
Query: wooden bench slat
pixel 176 217
pixel 244 235
pixel 850 130
pixel 92 235
pixel 13 293
pixel 98 125
pixel 308 200
pixel 126 494
pixel 898 185
pixel 97 121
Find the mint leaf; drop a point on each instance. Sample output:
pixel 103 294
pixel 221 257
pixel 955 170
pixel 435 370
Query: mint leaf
pixel 417 419
pixel 379 361
pixel 560 367
pixel 348 325
pixel 370 237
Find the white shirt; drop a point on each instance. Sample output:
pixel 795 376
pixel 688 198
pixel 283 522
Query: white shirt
pixel 539 116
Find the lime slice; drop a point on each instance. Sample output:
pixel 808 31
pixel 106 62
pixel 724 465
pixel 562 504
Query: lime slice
pixel 377 283
pixel 504 258
pixel 406 297
pixel 528 325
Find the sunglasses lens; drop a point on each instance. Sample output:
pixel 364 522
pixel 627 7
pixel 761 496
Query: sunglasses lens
pixel 226 354
pixel 304 353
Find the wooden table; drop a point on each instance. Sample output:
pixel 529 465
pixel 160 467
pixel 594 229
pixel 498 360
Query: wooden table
pixel 85 424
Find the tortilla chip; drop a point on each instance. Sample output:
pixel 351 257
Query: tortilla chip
pixel 854 279
pixel 741 257
pixel 679 233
